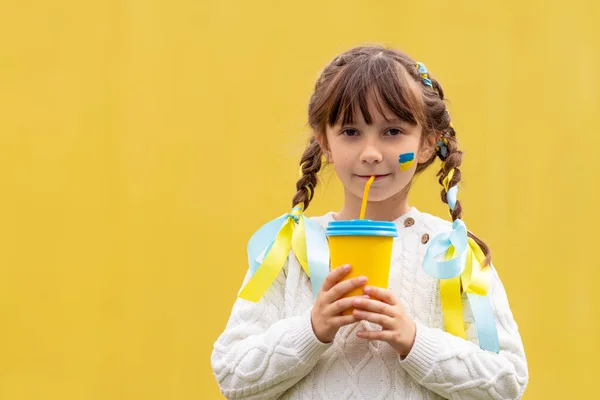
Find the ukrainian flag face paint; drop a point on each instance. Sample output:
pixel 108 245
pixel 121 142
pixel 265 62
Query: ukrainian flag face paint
pixel 406 160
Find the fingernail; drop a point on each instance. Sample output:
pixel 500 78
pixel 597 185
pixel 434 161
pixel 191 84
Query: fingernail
pixel 362 279
pixel 367 289
pixel 346 267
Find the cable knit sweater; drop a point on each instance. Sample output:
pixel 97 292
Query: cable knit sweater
pixel 269 350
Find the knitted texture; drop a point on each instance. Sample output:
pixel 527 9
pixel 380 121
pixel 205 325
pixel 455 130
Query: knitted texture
pixel 268 349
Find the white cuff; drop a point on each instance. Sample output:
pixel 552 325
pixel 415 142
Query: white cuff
pixel 305 341
pixel 422 356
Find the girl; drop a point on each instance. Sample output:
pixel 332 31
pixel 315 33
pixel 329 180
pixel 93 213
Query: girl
pixel 370 105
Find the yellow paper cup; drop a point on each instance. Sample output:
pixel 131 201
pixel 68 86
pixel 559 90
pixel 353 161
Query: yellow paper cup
pixel 367 246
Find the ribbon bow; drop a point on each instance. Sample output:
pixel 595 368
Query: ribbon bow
pixel 463 266
pixel 269 247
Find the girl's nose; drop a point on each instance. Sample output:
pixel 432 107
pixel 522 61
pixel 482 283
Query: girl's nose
pixel 371 154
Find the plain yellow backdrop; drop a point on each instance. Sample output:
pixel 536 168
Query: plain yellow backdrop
pixel 143 142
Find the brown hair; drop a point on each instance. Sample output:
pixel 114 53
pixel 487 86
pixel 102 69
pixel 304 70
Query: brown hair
pixel 342 90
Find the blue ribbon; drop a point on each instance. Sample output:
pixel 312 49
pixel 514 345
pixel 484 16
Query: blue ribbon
pixel 484 322
pixel 439 245
pixel 424 74
pixel 443 148
pixel 481 306
pixel 261 242
pixel 451 196
pixel 317 249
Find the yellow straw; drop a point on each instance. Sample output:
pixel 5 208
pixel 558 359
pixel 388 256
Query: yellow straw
pixel 363 207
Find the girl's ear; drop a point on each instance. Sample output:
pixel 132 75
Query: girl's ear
pixel 427 148
pixel 322 140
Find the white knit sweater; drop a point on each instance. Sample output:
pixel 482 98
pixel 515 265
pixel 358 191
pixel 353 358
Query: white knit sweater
pixel 268 349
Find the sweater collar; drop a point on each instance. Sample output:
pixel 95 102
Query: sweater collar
pixel 412 213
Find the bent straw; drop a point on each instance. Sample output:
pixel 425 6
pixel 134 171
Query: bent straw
pixel 363 207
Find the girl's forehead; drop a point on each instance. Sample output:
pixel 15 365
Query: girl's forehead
pixel 379 113
pixel 370 96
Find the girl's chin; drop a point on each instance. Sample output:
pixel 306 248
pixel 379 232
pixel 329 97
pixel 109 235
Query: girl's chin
pixel 376 195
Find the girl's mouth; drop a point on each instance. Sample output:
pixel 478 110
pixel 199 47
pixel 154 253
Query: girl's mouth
pixel 377 177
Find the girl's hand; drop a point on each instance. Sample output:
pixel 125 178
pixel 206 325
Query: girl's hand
pixel 384 309
pixel 326 315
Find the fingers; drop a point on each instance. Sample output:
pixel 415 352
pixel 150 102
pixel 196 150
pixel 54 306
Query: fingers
pixel 385 336
pixel 374 306
pixel 344 287
pixel 382 320
pixel 334 277
pixel 344 320
pixel 342 305
pixel 382 294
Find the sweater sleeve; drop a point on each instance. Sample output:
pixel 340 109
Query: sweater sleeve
pixel 459 369
pixel 261 353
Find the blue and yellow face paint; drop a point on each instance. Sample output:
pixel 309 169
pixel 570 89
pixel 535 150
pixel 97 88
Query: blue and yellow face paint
pixel 406 160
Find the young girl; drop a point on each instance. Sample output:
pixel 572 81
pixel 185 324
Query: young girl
pixel 370 105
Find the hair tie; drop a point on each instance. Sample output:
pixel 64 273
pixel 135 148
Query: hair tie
pixel 424 74
pixel 441 148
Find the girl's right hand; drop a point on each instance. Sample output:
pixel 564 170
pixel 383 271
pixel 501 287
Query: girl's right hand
pixel 326 315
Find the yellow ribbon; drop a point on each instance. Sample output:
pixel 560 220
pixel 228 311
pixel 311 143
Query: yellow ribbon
pixel 474 279
pixel 301 174
pixel 290 236
pixel 447 179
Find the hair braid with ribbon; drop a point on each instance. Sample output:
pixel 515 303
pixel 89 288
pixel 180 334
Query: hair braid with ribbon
pixel 467 261
pixel 269 247
pixel 448 152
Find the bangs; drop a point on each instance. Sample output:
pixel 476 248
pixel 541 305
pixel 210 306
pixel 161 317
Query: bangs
pixel 380 79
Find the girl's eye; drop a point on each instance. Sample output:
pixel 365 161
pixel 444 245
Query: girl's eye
pixel 394 132
pixel 350 132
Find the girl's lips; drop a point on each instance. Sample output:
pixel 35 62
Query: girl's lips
pixel 377 177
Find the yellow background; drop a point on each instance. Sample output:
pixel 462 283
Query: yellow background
pixel 143 142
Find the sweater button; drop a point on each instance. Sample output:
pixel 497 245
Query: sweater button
pixel 425 238
pixel 409 222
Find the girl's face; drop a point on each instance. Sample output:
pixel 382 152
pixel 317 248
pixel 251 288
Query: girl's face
pixel 359 151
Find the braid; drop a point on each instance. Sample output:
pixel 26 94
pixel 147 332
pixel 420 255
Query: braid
pixel 453 160
pixel 310 164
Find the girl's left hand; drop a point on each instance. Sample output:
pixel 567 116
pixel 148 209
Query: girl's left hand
pixel 384 309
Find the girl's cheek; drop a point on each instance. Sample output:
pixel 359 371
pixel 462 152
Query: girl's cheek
pixel 406 160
